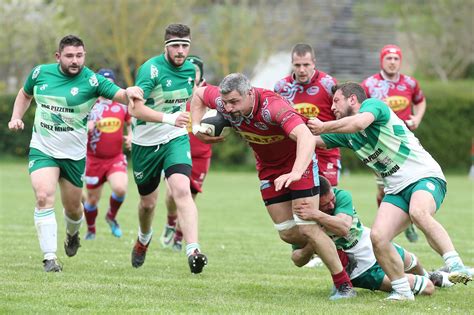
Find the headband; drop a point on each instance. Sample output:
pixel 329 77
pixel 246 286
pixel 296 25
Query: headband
pixel 177 40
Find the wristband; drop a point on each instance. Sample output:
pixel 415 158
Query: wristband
pixel 170 119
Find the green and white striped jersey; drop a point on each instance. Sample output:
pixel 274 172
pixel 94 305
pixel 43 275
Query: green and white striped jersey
pixel 166 89
pixel 389 148
pixel 63 103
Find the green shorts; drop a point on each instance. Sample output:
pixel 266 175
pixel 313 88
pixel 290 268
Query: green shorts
pixel 372 278
pixel 435 186
pixel 71 170
pixel 150 161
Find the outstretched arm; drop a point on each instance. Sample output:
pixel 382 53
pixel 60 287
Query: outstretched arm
pixel 305 144
pixel 21 105
pixel 349 124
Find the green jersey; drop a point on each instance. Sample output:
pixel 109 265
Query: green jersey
pixel 389 148
pixel 63 104
pixel 344 205
pixel 166 89
pixel 356 244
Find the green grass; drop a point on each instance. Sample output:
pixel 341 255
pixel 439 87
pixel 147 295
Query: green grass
pixel 249 268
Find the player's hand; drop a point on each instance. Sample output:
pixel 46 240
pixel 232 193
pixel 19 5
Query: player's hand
pixel 413 122
pixel 305 211
pixel 183 119
pixel 134 93
pixel 316 126
pixel 286 179
pixel 16 124
pixel 128 141
pixel 90 125
pixel 205 138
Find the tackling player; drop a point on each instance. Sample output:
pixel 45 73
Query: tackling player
pixel 415 185
pixel 340 221
pixel 404 96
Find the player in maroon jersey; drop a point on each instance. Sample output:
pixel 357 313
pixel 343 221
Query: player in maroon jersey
pixel 403 94
pixel 201 153
pixel 285 161
pixel 309 91
pixel 105 159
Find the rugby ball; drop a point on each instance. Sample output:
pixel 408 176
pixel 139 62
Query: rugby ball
pixel 214 124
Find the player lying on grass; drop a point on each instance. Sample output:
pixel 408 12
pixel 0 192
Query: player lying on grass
pixel 339 219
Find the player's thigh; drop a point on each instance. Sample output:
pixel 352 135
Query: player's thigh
pixel 118 182
pixel 389 222
pixel 280 212
pixel 426 197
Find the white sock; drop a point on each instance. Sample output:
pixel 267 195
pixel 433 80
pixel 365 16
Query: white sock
pixel 402 286
pixel 420 284
pixel 191 247
pixel 413 262
pixel 47 229
pixel 144 238
pixel 72 227
pixel 452 260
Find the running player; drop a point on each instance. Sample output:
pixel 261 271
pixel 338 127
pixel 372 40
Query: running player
pixel 160 142
pixel 105 159
pixel 286 166
pixel 201 157
pixel 65 92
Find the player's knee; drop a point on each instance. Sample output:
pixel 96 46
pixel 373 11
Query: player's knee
pixel 42 199
pixel 429 290
pixel 92 200
pixel 147 205
pixel 181 192
pixel 120 191
pixel 419 216
pixel 298 259
pixel 378 238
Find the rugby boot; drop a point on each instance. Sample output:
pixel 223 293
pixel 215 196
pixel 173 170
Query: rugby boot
pixel 72 244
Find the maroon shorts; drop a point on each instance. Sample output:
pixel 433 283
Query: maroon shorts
pixel 307 186
pixel 97 169
pixel 330 167
pixel 198 173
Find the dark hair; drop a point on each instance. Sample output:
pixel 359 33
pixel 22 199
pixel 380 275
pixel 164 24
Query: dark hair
pixel 198 63
pixel 324 186
pixel 350 88
pixel 70 40
pixel 177 30
pixel 301 50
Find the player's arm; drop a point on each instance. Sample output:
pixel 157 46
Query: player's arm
pixel 349 124
pixel 21 105
pixel 320 143
pixel 140 111
pixel 128 136
pixel 197 109
pixel 418 113
pixel 340 224
pixel 305 144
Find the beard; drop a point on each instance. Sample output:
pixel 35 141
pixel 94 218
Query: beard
pixel 173 62
pixel 67 69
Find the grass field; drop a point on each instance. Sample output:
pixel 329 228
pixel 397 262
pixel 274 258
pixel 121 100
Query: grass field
pixel 249 268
